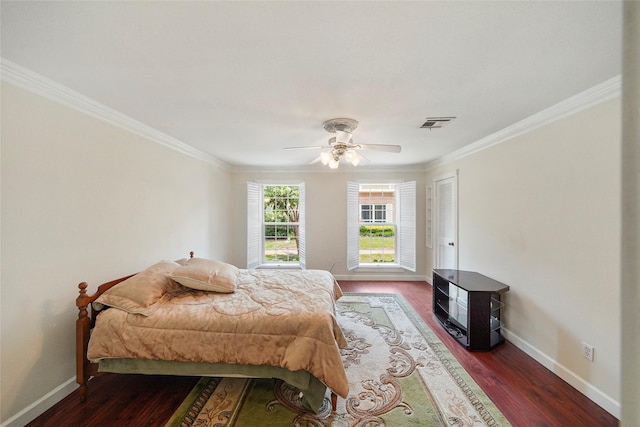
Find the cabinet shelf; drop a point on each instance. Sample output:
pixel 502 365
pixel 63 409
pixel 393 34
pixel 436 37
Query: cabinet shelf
pixel 457 312
pixel 496 304
pixel 496 323
pixel 469 307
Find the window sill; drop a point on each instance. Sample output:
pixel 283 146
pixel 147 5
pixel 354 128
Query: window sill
pixel 276 266
pixel 378 267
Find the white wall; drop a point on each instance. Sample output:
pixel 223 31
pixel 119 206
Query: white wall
pixel 83 200
pixel 630 264
pixel 326 212
pixel 541 213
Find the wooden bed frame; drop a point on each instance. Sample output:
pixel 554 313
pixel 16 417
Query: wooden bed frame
pixel 86 321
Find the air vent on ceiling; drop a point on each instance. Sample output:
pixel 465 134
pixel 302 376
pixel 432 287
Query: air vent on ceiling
pixel 436 122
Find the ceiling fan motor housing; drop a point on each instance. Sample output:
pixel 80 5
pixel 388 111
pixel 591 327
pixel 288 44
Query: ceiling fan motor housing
pixel 341 124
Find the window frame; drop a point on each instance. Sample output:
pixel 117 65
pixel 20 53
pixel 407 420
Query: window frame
pixel 256 226
pixel 404 220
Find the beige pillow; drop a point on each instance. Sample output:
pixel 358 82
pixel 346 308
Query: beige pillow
pixel 142 293
pixel 207 275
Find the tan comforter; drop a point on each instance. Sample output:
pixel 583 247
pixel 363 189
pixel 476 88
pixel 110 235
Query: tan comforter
pixel 275 317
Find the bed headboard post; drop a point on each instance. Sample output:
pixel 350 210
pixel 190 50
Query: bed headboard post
pixel 83 325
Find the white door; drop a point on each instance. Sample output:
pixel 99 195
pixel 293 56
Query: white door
pixel 446 221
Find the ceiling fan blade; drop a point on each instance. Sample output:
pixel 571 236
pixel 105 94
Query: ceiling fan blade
pixel 381 147
pixel 314 161
pixel 312 147
pixel 343 137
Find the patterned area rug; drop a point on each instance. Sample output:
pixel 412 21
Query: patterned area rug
pixel 399 372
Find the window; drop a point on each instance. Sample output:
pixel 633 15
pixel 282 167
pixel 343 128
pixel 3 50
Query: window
pixel 381 225
pixel 373 213
pixel 275 225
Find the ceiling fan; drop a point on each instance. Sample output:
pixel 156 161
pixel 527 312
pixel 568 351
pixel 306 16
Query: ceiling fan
pixel 342 144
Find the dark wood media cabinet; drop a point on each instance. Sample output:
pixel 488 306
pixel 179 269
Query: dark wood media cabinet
pixel 469 306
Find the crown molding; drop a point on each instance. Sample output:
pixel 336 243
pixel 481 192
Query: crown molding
pixel 608 90
pixel 325 169
pixel 24 78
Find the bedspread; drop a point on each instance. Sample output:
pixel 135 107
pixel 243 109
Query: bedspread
pixel 275 317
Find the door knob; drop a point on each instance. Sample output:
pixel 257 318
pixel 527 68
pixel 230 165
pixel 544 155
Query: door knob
pixel 451 244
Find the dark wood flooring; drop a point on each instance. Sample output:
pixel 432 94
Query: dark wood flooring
pixel 527 393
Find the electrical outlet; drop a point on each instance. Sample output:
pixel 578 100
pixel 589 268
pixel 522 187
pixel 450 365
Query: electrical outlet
pixel 587 351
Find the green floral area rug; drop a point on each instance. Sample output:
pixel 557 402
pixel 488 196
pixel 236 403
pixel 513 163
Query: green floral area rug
pixel 400 374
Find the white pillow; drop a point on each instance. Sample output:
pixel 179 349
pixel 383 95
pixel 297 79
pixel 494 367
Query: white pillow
pixel 142 293
pixel 207 275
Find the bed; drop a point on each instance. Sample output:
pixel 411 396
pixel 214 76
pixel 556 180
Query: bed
pixel 207 318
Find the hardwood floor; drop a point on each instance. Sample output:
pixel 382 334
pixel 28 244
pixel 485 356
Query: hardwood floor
pixel 527 393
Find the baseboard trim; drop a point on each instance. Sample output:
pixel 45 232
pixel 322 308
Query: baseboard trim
pixel 373 277
pixel 596 395
pixel 41 405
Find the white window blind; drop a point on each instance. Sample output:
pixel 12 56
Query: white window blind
pixel 353 225
pixel 301 228
pixel 254 224
pixel 407 226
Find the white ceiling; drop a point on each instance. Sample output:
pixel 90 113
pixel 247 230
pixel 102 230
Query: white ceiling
pixel 242 80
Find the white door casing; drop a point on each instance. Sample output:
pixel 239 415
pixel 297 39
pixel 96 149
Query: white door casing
pixel 446 221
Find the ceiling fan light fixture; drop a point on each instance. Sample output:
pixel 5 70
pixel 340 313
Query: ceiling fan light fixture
pixel 341 145
pixel 352 157
pixel 326 157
